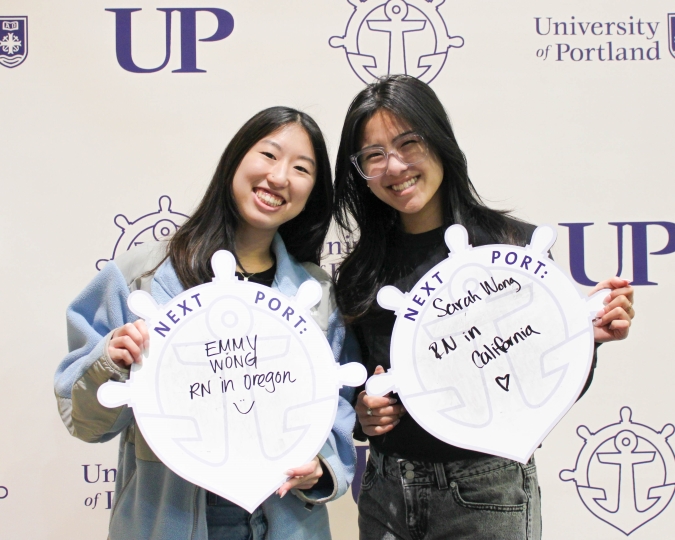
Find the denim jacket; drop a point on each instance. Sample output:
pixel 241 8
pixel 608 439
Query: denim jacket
pixel 151 501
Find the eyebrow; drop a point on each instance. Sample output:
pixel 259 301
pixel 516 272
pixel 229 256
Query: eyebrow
pixel 393 140
pixel 278 146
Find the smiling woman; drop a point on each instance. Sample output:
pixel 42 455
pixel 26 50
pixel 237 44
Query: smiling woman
pixel 402 179
pixel 269 204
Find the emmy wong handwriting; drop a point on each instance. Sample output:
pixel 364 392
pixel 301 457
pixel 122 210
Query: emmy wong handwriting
pixel 228 358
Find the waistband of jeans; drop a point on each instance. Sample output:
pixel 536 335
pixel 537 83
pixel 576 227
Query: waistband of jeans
pixel 418 472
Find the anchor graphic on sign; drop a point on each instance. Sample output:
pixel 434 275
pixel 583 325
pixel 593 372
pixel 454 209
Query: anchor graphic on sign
pixel 396 36
pixel 634 450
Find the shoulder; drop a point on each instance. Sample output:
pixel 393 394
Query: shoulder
pixel 318 273
pixel 516 232
pixel 140 260
pixel 522 229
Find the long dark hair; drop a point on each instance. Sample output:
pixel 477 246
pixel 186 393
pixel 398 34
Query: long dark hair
pixel 363 272
pixel 213 224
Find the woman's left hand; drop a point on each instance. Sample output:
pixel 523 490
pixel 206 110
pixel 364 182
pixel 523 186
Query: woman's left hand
pixel 303 477
pixel 614 320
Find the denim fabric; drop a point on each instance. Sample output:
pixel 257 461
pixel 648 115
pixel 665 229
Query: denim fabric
pixel 227 521
pixel 485 498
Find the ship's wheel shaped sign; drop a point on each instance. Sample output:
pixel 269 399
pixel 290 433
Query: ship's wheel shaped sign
pixel 491 347
pixel 239 386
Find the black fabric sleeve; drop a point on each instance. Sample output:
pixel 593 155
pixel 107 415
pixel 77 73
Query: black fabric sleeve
pixel 589 380
pixel 359 435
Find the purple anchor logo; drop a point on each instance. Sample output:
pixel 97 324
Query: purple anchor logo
pixel 643 479
pixel 396 36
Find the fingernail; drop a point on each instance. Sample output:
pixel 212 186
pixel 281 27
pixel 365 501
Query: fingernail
pixel 392 401
pixel 146 348
pixel 403 411
pixel 395 422
pixel 600 314
pixel 290 473
pixel 281 496
pixel 597 322
pixel 607 299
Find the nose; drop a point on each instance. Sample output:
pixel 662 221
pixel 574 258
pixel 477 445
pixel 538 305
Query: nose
pixel 394 165
pixel 277 177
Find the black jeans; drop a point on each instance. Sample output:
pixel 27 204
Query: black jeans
pixel 486 498
pixel 227 521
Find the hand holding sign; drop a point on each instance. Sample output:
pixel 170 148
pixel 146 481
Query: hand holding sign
pixel 240 384
pixel 491 347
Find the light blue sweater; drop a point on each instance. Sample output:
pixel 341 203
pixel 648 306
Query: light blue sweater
pixel 152 502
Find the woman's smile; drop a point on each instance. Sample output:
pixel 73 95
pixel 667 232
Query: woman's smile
pixel 268 198
pixel 404 185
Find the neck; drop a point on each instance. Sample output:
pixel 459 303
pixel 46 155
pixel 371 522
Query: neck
pixel 253 249
pixel 426 219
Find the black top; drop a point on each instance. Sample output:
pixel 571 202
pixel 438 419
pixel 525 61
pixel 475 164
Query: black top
pixel 410 257
pixel 266 277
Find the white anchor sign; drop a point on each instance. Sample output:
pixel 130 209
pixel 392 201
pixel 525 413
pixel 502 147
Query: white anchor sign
pixel 240 383
pixel 491 347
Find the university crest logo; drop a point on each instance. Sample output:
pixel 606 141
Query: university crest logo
pixel 13 41
pixel 158 225
pixel 396 36
pixel 625 472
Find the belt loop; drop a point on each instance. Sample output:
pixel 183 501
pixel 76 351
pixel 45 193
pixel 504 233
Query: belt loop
pixel 378 461
pixel 441 479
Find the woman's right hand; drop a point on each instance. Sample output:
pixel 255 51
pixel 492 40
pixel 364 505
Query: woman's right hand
pixel 384 413
pixel 128 344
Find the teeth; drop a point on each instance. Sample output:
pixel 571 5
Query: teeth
pixel 268 198
pixel 404 185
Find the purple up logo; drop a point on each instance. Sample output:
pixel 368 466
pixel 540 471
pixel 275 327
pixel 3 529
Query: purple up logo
pixel 395 36
pixel 188 37
pixel 13 41
pixel 639 232
pixel 625 472
pixel 159 225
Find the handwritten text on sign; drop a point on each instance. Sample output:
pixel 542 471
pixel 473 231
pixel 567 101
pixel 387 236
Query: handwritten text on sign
pixel 227 359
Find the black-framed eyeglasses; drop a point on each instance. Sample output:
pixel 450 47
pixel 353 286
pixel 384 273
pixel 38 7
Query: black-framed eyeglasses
pixel 373 162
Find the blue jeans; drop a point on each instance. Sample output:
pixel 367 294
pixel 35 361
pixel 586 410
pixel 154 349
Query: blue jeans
pixel 486 498
pixel 227 521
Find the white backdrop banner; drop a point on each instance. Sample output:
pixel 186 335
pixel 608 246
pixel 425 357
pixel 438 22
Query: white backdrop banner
pixel 115 113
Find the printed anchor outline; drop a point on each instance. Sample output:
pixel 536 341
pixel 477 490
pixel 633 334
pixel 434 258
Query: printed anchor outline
pixel 625 434
pixel 399 21
pixel 551 375
pixel 273 348
pixel 160 224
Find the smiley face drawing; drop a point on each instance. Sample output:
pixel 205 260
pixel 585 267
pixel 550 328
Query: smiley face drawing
pixel 240 406
pixel 240 384
pixel 491 347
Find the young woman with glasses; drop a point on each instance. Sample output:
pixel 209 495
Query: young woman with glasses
pixel 269 203
pixel 402 180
